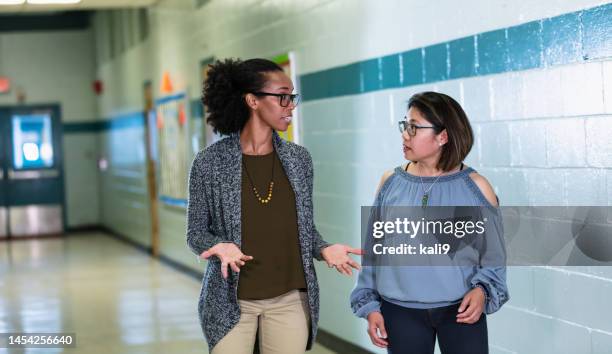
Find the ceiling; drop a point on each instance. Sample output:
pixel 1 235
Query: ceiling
pixel 84 5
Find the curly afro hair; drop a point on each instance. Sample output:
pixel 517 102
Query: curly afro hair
pixel 226 84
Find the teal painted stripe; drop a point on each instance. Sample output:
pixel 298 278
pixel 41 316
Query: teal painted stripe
pixel 123 121
pixel 128 120
pixel 412 67
pixel 597 32
pixel 436 63
pixel 173 201
pixel 463 52
pixel 82 127
pixel 197 110
pixel 574 37
pixel 171 98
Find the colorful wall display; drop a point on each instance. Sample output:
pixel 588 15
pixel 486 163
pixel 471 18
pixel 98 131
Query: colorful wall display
pixel 174 161
pixel 287 62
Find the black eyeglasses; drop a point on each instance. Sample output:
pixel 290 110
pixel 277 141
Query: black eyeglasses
pixel 284 98
pixel 411 128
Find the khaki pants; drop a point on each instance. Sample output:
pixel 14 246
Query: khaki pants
pixel 283 322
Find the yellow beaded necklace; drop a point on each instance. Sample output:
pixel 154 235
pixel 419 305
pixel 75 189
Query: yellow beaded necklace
pixel 270 187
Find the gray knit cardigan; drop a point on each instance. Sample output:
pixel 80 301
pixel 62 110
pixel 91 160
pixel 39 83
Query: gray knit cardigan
pixel 213 216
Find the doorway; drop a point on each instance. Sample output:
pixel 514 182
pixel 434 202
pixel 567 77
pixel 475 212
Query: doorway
pixel 31 171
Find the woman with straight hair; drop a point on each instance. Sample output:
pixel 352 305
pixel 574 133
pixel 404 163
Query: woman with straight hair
pixel 250 213
pixel 408 307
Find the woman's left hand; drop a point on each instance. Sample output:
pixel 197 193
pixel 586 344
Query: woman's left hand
pixel 472 306
pixel 337 256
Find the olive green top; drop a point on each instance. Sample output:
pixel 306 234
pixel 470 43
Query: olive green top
pixel 269 231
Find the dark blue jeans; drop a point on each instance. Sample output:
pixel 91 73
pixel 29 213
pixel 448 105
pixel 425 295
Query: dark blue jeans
pixel 414 331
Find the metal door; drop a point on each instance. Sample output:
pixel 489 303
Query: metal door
pixel 32 187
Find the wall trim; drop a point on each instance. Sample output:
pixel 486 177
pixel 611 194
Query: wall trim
pixel 575 37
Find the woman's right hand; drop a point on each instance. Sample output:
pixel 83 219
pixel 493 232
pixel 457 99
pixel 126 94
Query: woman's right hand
pixel 376 329
pixel 229 254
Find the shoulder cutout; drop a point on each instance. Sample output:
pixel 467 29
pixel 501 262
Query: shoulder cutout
pixel 384 178
pixel 485 188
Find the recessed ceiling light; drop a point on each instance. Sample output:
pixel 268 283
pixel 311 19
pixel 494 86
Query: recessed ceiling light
pixel 11 2
pixel 53 2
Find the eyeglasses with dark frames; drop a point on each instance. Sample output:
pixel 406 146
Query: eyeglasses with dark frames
pixel 411 128
pixel 284 98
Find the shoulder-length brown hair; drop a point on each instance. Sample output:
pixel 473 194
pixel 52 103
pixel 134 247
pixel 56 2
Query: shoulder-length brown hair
pixel 443 112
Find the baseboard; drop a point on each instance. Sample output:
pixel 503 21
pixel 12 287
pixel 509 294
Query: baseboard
pixel 30 237
pixel 118 236
pixel 181 268
pixel 84 228
pixel 338 344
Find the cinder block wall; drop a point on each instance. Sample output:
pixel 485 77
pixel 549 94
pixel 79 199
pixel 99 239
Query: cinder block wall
pixel 534 77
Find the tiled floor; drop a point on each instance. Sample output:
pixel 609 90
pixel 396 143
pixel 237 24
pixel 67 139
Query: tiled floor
pixel 114 297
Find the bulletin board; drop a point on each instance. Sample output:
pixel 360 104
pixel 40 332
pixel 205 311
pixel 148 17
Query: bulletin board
pixel 173 144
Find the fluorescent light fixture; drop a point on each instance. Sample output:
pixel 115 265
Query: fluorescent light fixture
pixel 53 2
pixel 11 2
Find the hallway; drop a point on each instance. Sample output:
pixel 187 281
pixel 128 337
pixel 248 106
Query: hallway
pixel 104 110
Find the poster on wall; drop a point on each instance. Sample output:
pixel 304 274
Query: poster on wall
pixel 287 62
pixel 173 142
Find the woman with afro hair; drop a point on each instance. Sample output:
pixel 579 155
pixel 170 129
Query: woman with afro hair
pixel 250 214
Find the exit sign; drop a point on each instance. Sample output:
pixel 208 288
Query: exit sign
pixel 5 84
